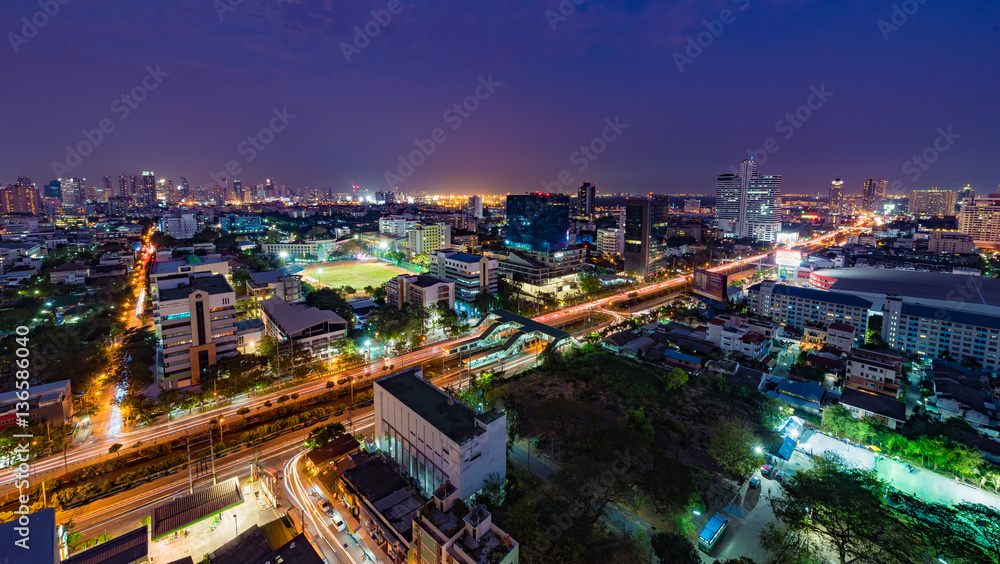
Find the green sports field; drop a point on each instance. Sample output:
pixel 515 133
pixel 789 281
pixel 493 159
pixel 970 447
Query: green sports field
pixel 355 275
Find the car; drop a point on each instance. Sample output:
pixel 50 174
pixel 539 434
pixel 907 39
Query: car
pixel 779 477
pixel 765 470
pixel 755 482
pixel 337 522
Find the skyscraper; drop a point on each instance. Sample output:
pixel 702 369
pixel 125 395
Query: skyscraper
pixel 108 187
pixel 72 191
pixel 25 181
pixel 123 186
pixel 147 195
pixel 933 202
pixel 587 198
pixel 538 222
pixel 133 186
pixel 873 194
pixel 54 190
pixel 747 203
pixel 475 206
pixel 837 196
pixel 20 198
pixel 980 218
pixel 637 219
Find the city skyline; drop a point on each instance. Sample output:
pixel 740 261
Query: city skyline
pixel 338 113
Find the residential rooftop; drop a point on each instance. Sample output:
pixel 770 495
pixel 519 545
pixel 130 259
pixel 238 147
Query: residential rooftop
pixel 213 284
pixel 296 317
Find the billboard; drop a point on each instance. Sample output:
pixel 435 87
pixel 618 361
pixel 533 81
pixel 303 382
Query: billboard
pixel 787 258
pixel 710 284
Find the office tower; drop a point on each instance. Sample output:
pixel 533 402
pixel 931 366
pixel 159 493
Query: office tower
pixel 108 187
pixel 72 191
pixel 147 195
pixel 611 242
pixel 837 196
pixel 747 204
pixel 123 186
pixel 54 190
pixel 238 190
pixel 932 202
pixel 269 189
pixel 873 194
pixel 25 181
pixel 637 218
pixel 980 218
pixel 659 210
pixel 475 206
pixel 133 186
pixel 538 222
pixel 20 198
pixel 587 198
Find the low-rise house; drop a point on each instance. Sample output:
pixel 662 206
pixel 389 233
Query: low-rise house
pixel 885 409
pixel 960 392
pixel 807 396
pixel 69 273
pixel 617 341
pixel 875 372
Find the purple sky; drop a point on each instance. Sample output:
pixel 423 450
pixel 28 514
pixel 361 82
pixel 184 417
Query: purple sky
pixel 353 120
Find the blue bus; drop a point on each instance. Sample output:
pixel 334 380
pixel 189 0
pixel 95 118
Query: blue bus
pixel 713 531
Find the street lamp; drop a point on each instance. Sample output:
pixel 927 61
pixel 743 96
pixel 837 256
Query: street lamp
pixel 236 524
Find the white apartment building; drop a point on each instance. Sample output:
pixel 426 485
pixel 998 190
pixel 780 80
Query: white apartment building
pixel 932 331
pixel 318 249
pixel 950 242
pixel 749 337
pixel 471 274
pixel 797 307
pixel 183 226
pixel 195 321
pixel 397 225
pixel 436 439
pixel 419 289
pixel 611 242
pixel 182 268
pixel 308 328
pixel 980 218
pixel 551 274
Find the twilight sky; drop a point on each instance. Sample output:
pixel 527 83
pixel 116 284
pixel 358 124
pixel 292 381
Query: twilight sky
pixel 891 92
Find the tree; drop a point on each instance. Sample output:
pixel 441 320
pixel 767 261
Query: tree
pixel 674 378
pixel 113 449
pixel 845 506
pixel 734 446
pixel 675 548
pixel 590 284
pixel 322 435
pixel 333 300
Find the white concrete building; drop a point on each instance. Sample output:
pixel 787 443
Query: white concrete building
pixel 427 237
pixel 980 218
pixel 183 226
pixel 308 328
pixel 611 242
pixel 472 274
pixel 749 337
pixel 419 289
pixel 436 439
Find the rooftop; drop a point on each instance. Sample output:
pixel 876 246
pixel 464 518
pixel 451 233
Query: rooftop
pixel 822 295
pixel 42 526
pixel 70 267
pixel 874 403
pixel 425 280
pixel 214 284
pixel 296 317
pixel 951 315
pixel 453 418
pixel 174 515
pixel 333 450
pixel 121 550
pixel 921 285
pixel 465 257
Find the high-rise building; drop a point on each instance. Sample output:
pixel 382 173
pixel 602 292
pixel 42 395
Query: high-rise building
pixel 53 190
pixel 637 219
pixel 873 194
pixel 72 191
pixel 133 186
pixel 109 190
pixel 980 218
pixel 20 198
pixel 428 237
pixel 269 189
pixel 747 204
pixel 123 186
pixel 538 222
pixel 25 181
pixel 587 199
pixel 195 321
pixel 611 242
pixel 475 206
pixel 837 196
pixel 148 194
pixel 932 202
pixel 471 274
